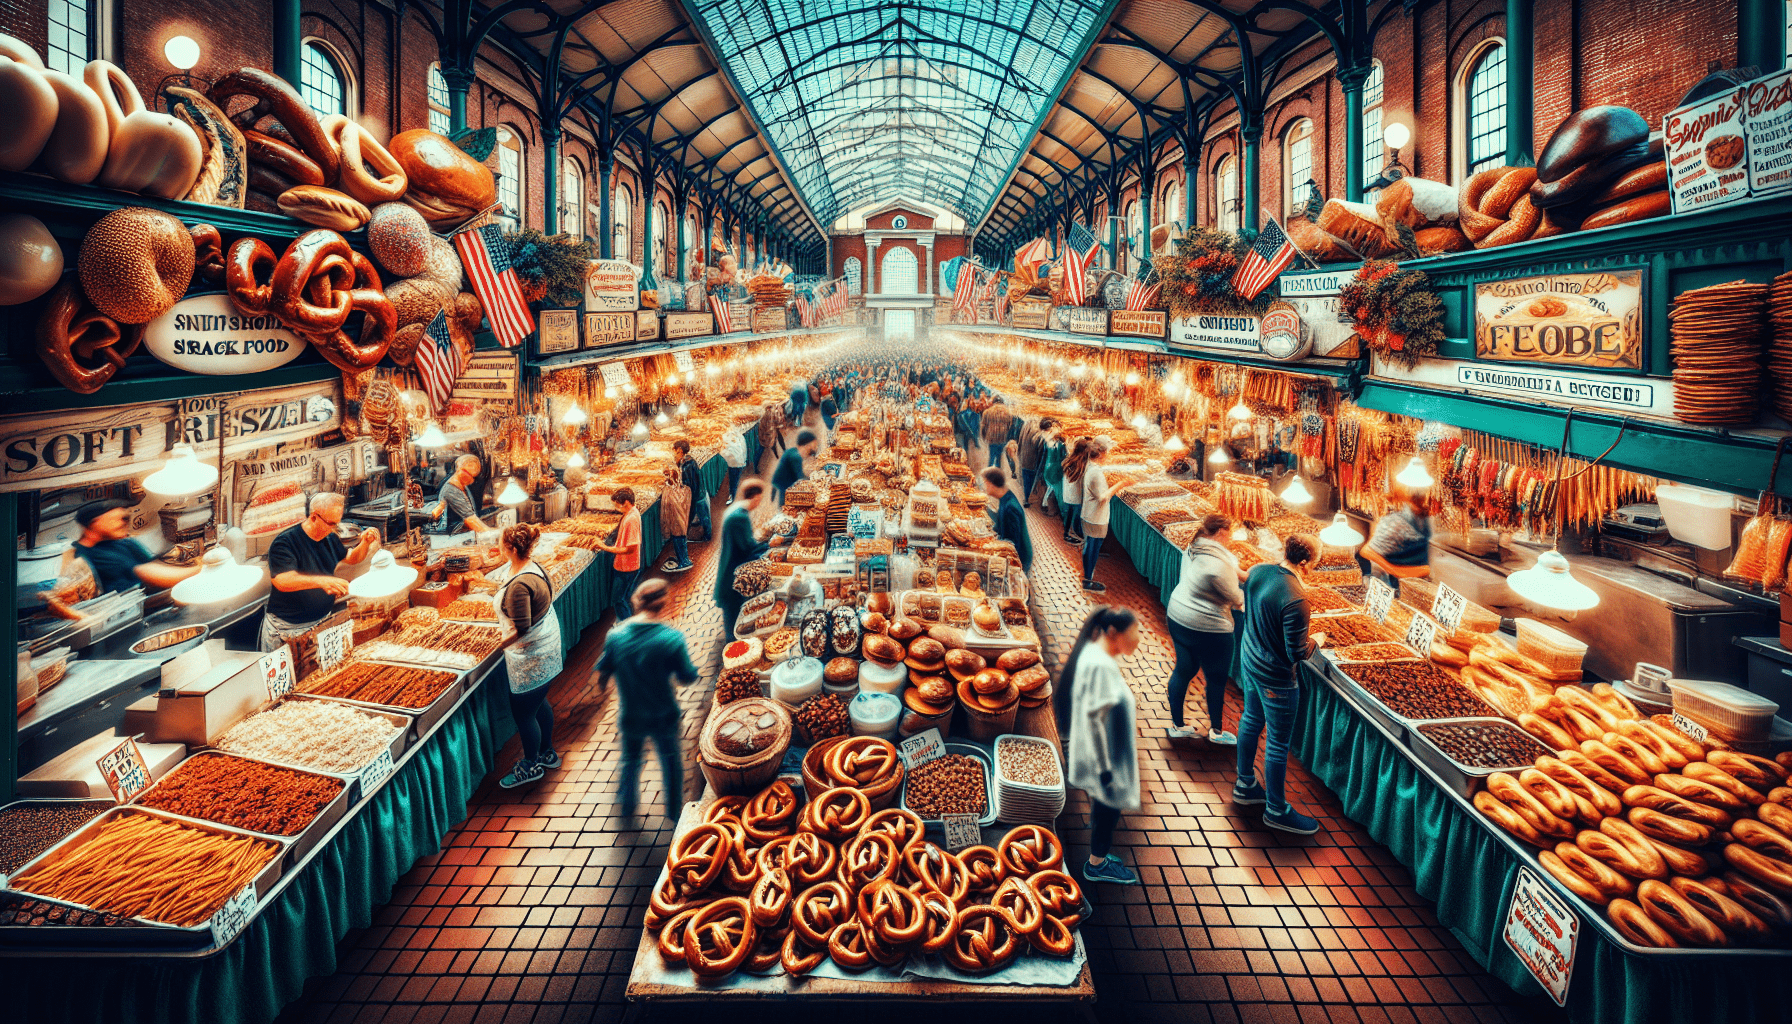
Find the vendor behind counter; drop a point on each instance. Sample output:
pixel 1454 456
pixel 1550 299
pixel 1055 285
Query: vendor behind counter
pixel 118 560
pixel 303 560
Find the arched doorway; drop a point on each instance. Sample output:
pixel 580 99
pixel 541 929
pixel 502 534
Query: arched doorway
pixel 899 324
pixel 899 274
pixel 852 271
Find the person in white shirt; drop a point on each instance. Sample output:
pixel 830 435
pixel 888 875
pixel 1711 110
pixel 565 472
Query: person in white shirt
pixel 1096 497
pixel 1103 753
pixel 1200 619
pixel 734 456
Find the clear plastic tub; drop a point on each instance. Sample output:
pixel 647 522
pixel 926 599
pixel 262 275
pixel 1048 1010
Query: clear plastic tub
pixel 1730 712
pixel 1695 515
pixel 1549 646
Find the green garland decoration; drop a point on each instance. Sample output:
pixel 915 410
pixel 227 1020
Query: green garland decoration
pixel 552 267
pixel 1197 276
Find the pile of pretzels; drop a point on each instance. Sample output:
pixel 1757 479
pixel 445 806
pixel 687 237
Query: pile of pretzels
pixel 1684 842
pixel 766 884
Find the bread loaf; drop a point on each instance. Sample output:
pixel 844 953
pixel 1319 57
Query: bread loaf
pixel 1356 225
pixel 1315 243
pixel 1417 203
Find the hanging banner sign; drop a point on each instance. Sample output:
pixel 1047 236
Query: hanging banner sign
pixel 559 332
pixel 1623 393
pixel 647 325
pixel 1221 333
pixel 604 329
pixel 1707 153
pixel 489 377
pixel 1081 320
pixel 1138 323
pixel 689 325
pixel 613 285
pixel 1586 320
pixel 1324 282
pixel 208 334
pixel 1769 116
pixel 1032 312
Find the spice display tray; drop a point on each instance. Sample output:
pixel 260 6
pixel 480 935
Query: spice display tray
pixel 297 845
pixel 152 933
pixel 1406 728
pixel 401 741
pixel 36 801
pixel 976 752
pixel 1024 802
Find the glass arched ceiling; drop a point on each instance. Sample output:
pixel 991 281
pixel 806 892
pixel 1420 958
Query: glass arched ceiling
pixel 869 101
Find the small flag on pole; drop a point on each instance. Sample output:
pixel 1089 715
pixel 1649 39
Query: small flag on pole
pixel 1074 266
pixel 1269 255
pixel 438 361
pixel 489 264
pixel 719 306
pixel 964 296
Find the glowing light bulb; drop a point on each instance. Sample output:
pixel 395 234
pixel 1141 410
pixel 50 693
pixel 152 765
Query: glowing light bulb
pixel 683 409
pixel 672 378
pixel 1218 456
pixel 1175 444
pixel 1138 421
pixel 629 387
pixel 1132 378
pixel 1076 406
pixel 709 369
pixel 575 461
pixel 640 428
pixel 1296 492
pixel 1239 411
pixel 661 419
pixel 513 494
pixel 575 416
pixel 182 52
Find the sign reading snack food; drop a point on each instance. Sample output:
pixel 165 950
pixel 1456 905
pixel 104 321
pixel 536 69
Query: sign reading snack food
pixel 1214 331
pixel 612 285
pixel 559 332
pixel 1769 116
pixel 1588 320
pixel 1281 334
pixel 1032 312
pixel 1707 152
pixel 603 329
pixel 208 334
pixel 689 325
pixel 1137 323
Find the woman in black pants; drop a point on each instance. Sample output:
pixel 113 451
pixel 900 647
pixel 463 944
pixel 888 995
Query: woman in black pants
pixel 1200 617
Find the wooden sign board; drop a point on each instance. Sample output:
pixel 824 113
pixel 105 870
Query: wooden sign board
pixel 612 285
pixel 770 320
pixel 209 334
pixel 1137 323
pixel 1082 320
pixel 605 329
pixel 1217 333
pixel 1032 312
pixel 558 332
pixel 1769 116
pixel 1707 151
pixel 1592 320
pixel 689 325
pixel 647 325
pixel 740 315
pixel 489 377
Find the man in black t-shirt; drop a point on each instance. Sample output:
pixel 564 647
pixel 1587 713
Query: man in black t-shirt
pixel 303 561
pixel 118 561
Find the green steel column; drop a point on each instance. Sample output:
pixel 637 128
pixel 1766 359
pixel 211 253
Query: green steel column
pixel 1247 217
pixel 1760 33
pixel 684 205
pixel 1146 184
pixel 1351 81
pixel 459 80
pixel 550 182
pixel 605 226
pixel 1189 169
pixel 650 195
pixel 1520 60
pixel 1114 230
pixel 287 60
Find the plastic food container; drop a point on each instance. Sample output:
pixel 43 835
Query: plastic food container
pixel 1020 802
pixel 1730 712
pixel 796 680
pixel 875 714
pixel 1549 646
pixel 1695 515
pixel 875 678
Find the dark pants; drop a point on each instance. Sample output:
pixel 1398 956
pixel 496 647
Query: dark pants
pixel 1211 654
pixel 1028 477
pixel 534 721
pixel 700 521
pixel 625 589
pixel 671 769
pixel 1091 554
pixel 731 606
pixel 734 481
pixel 995 453
pixel 1102 820
pixel 1073 517
pixel 681 550
pixel 1272 709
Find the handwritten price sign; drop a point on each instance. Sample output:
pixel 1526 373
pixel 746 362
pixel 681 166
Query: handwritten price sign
pixel 921 748
pixel 1420 634
pixel 1379 599
pixel 376 772
pixel 962 831
pixel 234 916
pixel 615 374
pixel 1543 931
pixel 682 360
pixel 333 645
pixel 1447 607
pixel 124 771
pixel 277 672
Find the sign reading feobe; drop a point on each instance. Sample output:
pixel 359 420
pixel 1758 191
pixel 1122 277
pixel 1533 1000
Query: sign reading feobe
pixel 1594 320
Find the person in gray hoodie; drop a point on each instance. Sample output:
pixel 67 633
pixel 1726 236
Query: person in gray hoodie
pixel 1200 619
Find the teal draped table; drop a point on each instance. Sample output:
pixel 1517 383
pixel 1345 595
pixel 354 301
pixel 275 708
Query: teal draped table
pixel 1468 868
pixel 295 935
pixel 1152 554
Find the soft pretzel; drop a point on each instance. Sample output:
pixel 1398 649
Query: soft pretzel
pixel 768 949
pixel 1668 829
pixel 1675 806
pixel 1059 895
pixel 883 953
pixel 740 872
pixel 318 284
pixel 1667 908
pixel 82 347
pixel 984 868
pixel 941 918
pixel 1623 849
pixel 1616 764
pixel 1716 905
pixel 932 869
pixel 1029 848
pixel 1557 798
pixel 1780 795
pixel 1488 198
pixel 867 858
pixel 894 915
pixel 904 827
pixel 1019 906
pixel 1763 839
pixel 669 899
pixel 273 96
pixel 1640 754
pixel 799 956
pixel 819 910
pixel 698 857
pixel 1702 793
pixel 1552 735
pixel 1618 704
pixel 1679 859
pixel 1763 870
pixel 1577 759
pixel 1581 726
pixel 360 150
pixel 1505 817
pixel 771 813
pixel 1643 734
pixel 1764 904
pixel 1705 771
pixel 1601 799
pixel 847 946
pixel 809 858
pixel 248 273
pixel 1756 772
pixel 866 763
pixel 770 900
pixel 1635 924
pixel 982 940
pixel 136 263
pixel 836 814
pixel 671 940
pixel 719 937
pixel 724 806
pixel 1585 875
pixel 1506 789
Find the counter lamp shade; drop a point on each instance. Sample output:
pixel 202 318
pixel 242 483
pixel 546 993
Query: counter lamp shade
pixel 575 416
pixel 513 494
pixel 1340 534
pixel 640 428
pixel 1175 444
pixel 219 580
pixel 1296 492
pixel 1550 584
pixel 432 437
pixel 660 419
pixel 386 578
pixel 182 476
pixel 1239 411
pixel 1138 421
pixel 1219 456
pixel 1415 476
pixel 182 52
pixel 576 460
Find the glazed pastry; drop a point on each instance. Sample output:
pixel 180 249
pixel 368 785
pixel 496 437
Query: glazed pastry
pixel 30 104
pixel 76 149
pixel 30 259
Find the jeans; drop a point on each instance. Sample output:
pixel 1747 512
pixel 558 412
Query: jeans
pixel 671 769
pixel 625 589
pixel 995 453
pixel 1211 654
pixel 1102 820
pixel 681 550
pixel 700 521
pixel 534 721
pixel 730 605
pixel 1091 553
pixel 1276 707
pixel 733 482
pixel 1028 477
pixel 1073 518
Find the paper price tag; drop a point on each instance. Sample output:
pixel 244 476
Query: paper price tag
pixel 376 771
pixel 1690 727
pixel 1379 599
pixel 1448 607
pixel 234 916
pixel 124 771
pixel 333 645
pixel 506 518
pixel 921 748
pixel 277 672
pixel 615 374
pixel 1543 931
pixel 962 831
pixel 682 360
pixel 1420 634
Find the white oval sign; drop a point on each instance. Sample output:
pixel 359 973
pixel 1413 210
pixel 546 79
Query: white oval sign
pixel 208 334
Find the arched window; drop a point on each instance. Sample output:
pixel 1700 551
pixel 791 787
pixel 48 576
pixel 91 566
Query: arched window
pixel 1225 191
pixel 1174 208
pixel 1483 92
pixel 659 238
pixel 321 82
pixel 1297 164
pixel 440 120
pixel 899 274
pixel 1373 157
pixel 510 176
pixel 855 272
pixel 622 233
pixel 572 198
pixel 72 32
pixel 693 242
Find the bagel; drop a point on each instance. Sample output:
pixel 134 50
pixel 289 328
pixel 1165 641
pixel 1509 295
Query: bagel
pixel 1635 924
pixel 1685 745
pixel 1776 816
pixel 1667 908
pixel 1607 696
pixel 1637 753
pixel 445 184
pixel 1680 860
pixel 1775 876
pixel 1585 875
pixel 1763 839
pixel 135 263
pixel 1667 828
pixel 1644 735
pixel 1702 793
pixel 1655 799
pixel 1616 764
pixel 1559 799
pixel 1575 758
pixel 386 181
pixel 1752 771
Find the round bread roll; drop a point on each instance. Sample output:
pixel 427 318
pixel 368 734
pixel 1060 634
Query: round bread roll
pixel 950 637
pixel 841 671
pixel 990 680
pixel 964 664
pixel 919 705
pixel 1015 660
pixel 934 690
pixel 873 622
pixel 927 651
pixel 1031 679
pixel 445 184
pixel 987 618
pixel 1444 238
pixel 883 650
pixel 30 259
pixel 325 207
pixel 135 263
pixel 881 603
pixel 906 629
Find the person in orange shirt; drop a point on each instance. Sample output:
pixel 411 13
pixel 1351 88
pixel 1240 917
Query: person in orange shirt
pixel 627 549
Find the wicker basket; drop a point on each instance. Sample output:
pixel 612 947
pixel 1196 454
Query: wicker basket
pixel 728 772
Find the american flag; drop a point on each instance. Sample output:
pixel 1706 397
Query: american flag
pixel 1140 295
pixel 438 361
pixel 1083 241
pixel 836 297
pixel 488 260
pixel 1001 304
pixel 964 294
pixel 1270 254
pixel 804 310
pixel 719 306
pixel 1074 264
pixel 1036 251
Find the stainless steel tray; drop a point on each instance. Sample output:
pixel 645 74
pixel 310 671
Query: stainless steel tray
pixel 1405 728
pixel 422 719
pixel 104 803
pixel 298 844
pixel 977 752
pixel 1463 778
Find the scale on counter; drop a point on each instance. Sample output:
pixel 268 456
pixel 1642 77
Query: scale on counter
pixel 1642 523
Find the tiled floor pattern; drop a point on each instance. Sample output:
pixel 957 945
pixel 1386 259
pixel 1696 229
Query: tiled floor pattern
pixel 530 914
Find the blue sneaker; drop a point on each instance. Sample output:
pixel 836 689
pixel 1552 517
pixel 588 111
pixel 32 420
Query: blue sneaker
pixel 1110 870
pixel 1250 795
pixel 525 772
pixel 1291 820
pixel 549 761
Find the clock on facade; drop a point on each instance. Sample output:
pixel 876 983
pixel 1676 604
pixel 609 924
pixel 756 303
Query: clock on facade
pixel 899 222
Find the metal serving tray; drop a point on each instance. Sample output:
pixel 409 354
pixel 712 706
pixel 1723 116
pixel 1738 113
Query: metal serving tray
pixel 1463 778
pixel 1393 721
pixel 103 802
pixel 977 752
pixel 297 845
pixel 401 741
pixel 152 933
pixel 422 719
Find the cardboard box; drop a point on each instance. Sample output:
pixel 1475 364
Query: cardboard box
pixel 203 709
pixel 436 595
pixel 76 772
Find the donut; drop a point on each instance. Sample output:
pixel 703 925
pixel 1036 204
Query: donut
pixel 135 263
pixel 1763 904
pixel 1615 764
pixel 1756 772
pixel 1602 800
pixel 1585 875
pixel 1674 806
pixel 1762 870
pixel 1667 828
pixel 1705 771
pixel 1717 906
pixel 1674 913
pixel 1624 849
pixel 1635 924
pixel 1762 838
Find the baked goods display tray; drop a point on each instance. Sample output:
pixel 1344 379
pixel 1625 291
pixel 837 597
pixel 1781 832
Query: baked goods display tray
pixel 296 845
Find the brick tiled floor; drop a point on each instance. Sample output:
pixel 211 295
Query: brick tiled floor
pixel 530 913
